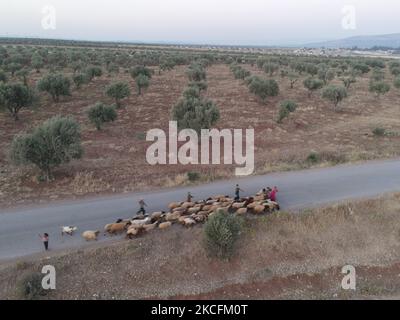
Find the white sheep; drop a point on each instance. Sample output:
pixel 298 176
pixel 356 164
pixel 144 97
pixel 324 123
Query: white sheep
pixel 90 235
pixel 68 230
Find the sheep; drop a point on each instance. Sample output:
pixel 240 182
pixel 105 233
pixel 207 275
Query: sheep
pixel 199 217
pixel 241 211
pixel 189 222
pixel 223 209
pixel 194 210
pixel 90 235
pixel 181 219
pixel 149 227
pixel 118 227
pixel 218 197
pixel 165 225
pixel 238 205
pixel 187 205
pixel 179 209
pixel 253 205
pixel 68 230
pixel 259 209
pixel 139 223
pixel 174 205
pixel 132 232
pixel 139 217
pixel 271 205
pixel 156 216
pixel 107 227
pixel 172 216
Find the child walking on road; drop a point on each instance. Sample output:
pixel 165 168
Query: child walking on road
pixel 45 240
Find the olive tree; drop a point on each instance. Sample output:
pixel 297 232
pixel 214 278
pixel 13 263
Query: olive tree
pixel 195 113
pixel 335 94
pixel 55 142
pixel 196 73
pixel 326 74
pixel 263 88
pixel 270 68
pixel 312 85
pixel 118 91
pixel 15 96
pixel 293 78
pixel 100 114
pixel 92 72
pixel 348 81
pixel 285 108
pixel 37 62
pixel 141 70
pixel 79 80
pixel 379 87
pixel 142 82
pixel 56 85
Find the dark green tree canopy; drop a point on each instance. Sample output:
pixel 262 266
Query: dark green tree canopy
pixel 100 114
pixel 55 142
pixel 56 85
pixel 195 113
pixel 15 96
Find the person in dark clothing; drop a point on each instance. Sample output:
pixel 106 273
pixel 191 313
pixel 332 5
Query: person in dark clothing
pixel 237 193
pixel 45 240
pixel 142 204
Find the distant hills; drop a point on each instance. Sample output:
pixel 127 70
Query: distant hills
pixel 362 42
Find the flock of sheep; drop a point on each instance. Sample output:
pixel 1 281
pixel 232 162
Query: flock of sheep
pixel 184 213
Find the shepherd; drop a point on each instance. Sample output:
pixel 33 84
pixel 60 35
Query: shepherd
pixel 237 193
pixel 142 204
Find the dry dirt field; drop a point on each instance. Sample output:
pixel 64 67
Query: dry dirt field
pixel 279 256
pixel 114 159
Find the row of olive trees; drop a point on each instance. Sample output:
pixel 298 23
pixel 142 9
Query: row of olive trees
pixel 193 110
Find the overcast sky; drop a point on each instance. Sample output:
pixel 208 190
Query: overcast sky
pixel 257 22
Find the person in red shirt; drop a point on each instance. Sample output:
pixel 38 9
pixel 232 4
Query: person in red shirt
pixel 272 194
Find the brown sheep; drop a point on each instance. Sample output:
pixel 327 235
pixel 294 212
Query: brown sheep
pixel 132 232
pixel 187 205
pixel 149 227
pixel 194 210
pixel 156 216
pixel 174 205
pixel 259 209
pixel 165 225
pixel 118 227
pixel 90 235
pixel 172 216
pixel 238 205
pixel 179 209
pixel 241 211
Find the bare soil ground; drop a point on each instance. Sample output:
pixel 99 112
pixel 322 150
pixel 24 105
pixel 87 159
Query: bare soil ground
pixel 280 256
pixel 115 162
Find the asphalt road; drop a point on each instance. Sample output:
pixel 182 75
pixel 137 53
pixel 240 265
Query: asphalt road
pixel 19 228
